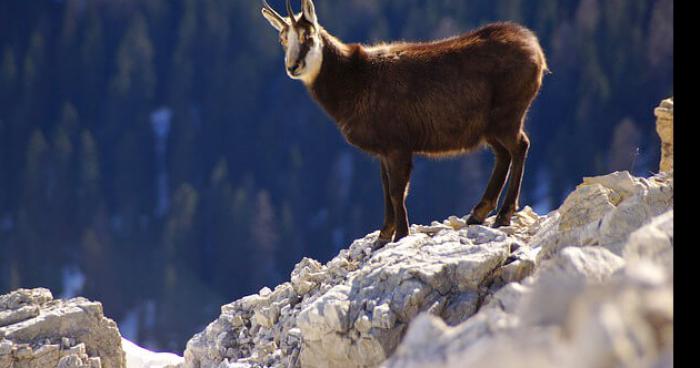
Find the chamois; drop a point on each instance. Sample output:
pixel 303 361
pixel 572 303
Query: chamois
pixel 436 99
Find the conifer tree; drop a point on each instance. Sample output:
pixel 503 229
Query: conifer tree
pixel 33 220
pixel 36 172
pixel 265 238
pixel 131 99
pixel 8 81
pixel 62 199
pixel 93 65
pixel 89 192
pixel 178 233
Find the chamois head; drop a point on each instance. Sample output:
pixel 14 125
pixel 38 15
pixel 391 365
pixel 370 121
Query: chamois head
pixel 300 38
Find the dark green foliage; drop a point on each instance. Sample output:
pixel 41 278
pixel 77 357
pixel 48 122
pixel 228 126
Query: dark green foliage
pixel 257 177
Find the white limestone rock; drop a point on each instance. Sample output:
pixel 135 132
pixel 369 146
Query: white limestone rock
pixel 12 316
pixel 40 332
pixel 664 127
pixel 604 210
pixel 473 291
pixel 583 307
pixel 383 317
pixel 653 242
pixel 330 313
pixel 354 310
pixel 560 278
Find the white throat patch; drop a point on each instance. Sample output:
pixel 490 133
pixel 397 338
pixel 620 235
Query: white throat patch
pixel 312 61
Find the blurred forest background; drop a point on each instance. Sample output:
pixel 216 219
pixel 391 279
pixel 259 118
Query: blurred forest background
pixel 155 156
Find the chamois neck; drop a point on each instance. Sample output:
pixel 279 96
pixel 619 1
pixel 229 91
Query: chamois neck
pixel 334 47
pixel 339 80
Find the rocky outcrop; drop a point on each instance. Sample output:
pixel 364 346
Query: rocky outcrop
pixel 37 331
pixel 353 311
pixel 664 127
pixel 604 210
pixel 583 307
pixel 546 277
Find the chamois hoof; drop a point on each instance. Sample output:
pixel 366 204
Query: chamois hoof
pixel 386 235
pixel 502 221
pixel 380 243
pixel 400 236
pixel 474 221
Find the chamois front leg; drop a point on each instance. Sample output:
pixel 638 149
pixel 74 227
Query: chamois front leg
pixel 399 165
pixel 389 227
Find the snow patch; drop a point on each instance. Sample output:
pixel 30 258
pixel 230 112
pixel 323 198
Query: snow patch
pixel 138 357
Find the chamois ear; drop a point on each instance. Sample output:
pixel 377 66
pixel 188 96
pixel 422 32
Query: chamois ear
pixel 273 17
pixel 309 11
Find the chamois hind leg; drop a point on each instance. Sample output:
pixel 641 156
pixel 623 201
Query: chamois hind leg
pixel 389 219
pixel 399 165
pixel 489 200
pixel 518 147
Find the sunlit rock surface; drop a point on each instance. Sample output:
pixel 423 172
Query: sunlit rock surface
pixel 664 127
pixel 588 285
pixel 37 331
pixel 354 310
pixel 601 294
pixel 583 307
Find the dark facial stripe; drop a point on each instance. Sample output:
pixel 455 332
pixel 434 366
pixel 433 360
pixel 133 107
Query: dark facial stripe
pixel 304 49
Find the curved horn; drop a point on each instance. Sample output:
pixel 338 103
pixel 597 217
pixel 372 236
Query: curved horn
pixel 291 13
pixel 270 9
